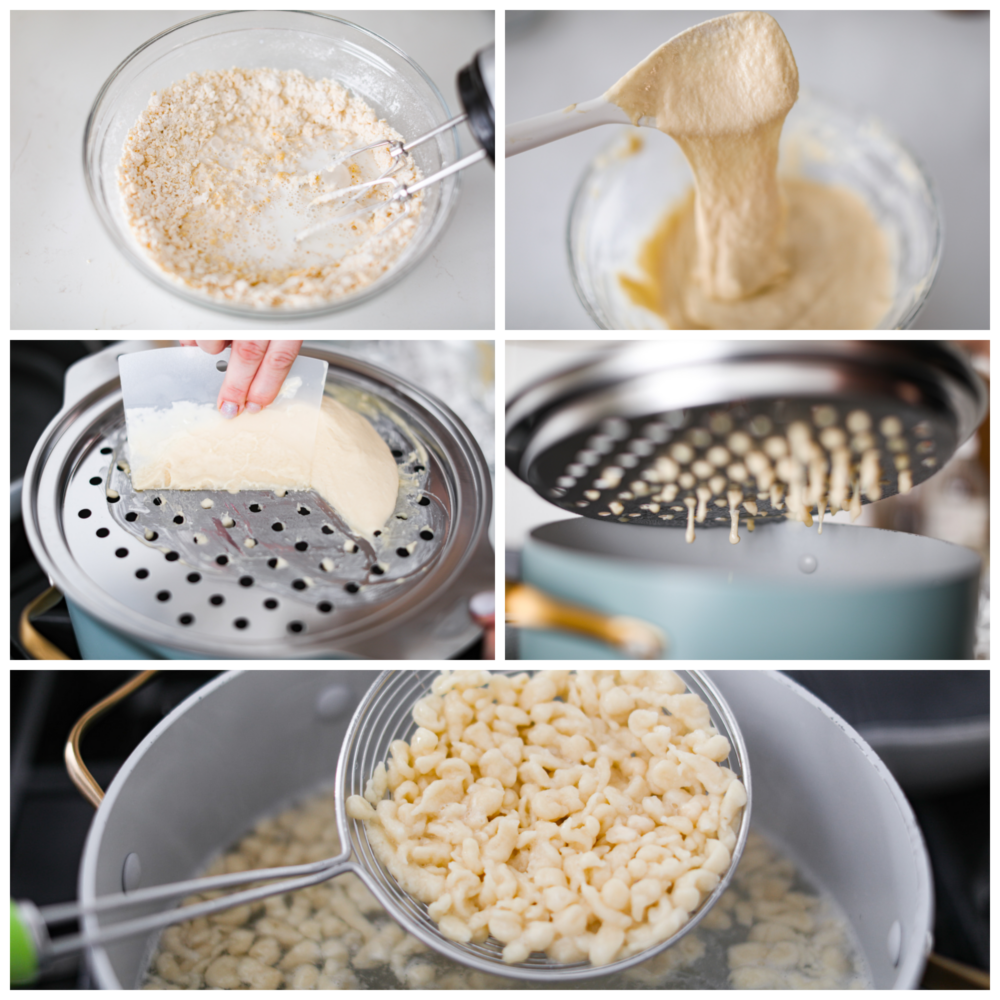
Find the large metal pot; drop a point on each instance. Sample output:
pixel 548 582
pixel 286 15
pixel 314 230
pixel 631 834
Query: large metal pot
pixel 249 743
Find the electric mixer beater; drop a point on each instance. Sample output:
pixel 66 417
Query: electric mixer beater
pixel 476 86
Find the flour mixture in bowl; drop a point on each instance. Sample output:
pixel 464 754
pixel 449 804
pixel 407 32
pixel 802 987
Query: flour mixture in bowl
pixel 222 169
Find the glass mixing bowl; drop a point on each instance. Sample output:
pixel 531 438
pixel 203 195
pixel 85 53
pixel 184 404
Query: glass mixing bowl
pixel 631 184
pixel 318 45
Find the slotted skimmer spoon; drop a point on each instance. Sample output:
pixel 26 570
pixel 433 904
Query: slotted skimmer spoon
pixel 384 715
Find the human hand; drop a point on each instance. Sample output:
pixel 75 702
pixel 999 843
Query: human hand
pixel 256 371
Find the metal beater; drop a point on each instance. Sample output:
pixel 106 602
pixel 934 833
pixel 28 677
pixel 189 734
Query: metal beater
pixel 476 84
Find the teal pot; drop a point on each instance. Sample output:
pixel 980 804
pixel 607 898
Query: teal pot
pixel 784 592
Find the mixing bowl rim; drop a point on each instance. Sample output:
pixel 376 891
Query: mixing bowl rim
pixel 450 188
pixel 807 99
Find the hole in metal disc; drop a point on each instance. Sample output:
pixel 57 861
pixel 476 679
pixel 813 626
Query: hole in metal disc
pixel 179 519
pixel 131 516
pixel 113 499
pixel 84 513
pixel 426 534
pixel 270 604
pixel 301 546
pixel 396 453
pixel 377 569
pixel 296 627
pixel 325 606
pixel 157 501
pixel 121 553
pixel 377 533
pixel 241 623
pixel 194 577
pixel 216 599
pixel 424 501
pixel 96 480
pixel 299 584
pixel 402 553
pixel 152 536
pixel 222 364
pixel 103 532
pixel 304 510
pixel 246 581
pixel 142 573
pixel 186 619
pixel 222 560
pixel 163 595
pixel 351 588
pixel 418 468
pixel 327 530
pixel 273 563
pixel 256 508
pixel 277 526
pixel 106 451
pixel 172 556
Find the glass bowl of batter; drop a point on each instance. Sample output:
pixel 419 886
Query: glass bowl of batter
pixel 320 47
pixel 640 175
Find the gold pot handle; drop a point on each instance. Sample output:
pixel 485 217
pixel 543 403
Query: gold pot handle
pixel 75 766
pixel 528 607
pixel 31 639
pixel 946 974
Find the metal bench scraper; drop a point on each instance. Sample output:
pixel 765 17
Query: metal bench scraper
pixel 170 397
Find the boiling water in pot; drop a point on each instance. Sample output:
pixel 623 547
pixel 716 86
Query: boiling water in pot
pixel 772 929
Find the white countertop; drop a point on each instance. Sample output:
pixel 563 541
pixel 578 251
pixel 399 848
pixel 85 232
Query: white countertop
pixel 67 274
pixel 924 74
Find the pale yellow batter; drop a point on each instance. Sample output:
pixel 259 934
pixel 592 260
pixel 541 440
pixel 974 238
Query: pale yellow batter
pixel 350 466
pixel 745 250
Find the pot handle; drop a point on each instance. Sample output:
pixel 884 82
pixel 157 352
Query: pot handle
pixel 75 767
pixel 528 607
pixel 31 639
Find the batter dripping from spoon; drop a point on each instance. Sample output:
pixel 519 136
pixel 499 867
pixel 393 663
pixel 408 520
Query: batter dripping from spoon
pixel 746 250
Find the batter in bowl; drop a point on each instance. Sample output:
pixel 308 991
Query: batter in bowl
pixel 747 250
pixel 223 169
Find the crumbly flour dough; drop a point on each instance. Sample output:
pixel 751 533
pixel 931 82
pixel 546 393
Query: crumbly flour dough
pixel 217 175
pixel 747 250
pixel 351 467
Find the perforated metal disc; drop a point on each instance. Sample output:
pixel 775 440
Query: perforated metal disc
pixel 160 565
pixel 386 715
pixel 629 409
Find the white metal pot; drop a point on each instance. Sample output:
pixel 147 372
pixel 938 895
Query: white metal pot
pixel 249 743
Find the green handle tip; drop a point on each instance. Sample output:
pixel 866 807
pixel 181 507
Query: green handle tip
pixel 23 954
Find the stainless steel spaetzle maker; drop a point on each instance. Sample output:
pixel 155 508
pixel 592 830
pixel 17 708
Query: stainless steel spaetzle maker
pixel 157 574
pixel 596 439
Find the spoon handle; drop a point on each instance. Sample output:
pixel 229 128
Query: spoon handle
pixel 559 124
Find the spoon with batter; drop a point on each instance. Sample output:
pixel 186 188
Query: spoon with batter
pixel 728 124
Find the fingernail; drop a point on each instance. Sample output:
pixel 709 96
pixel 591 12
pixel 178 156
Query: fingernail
pixel 229 410
pixel 483 604
pixel 253 407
